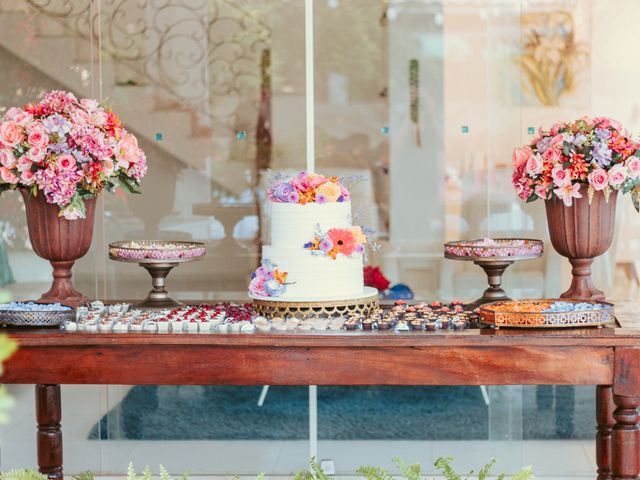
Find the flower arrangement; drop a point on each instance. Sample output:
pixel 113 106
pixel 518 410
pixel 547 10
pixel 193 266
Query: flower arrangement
pixel 309 188
pixel 373 277
pixel 592 154
pixel 344 241
pixel 267 280
pixel 68 149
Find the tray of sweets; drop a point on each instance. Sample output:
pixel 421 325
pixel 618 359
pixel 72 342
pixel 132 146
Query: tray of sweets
pixel 548 313
pixel 156 251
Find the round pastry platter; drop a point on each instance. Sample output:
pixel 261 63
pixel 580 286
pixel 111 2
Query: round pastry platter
pixel 536 314
pixel 158 257
pixel 363 303
pixel 494 256
pixel 51 318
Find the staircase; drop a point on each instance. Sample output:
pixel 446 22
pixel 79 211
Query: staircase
pixel 187 78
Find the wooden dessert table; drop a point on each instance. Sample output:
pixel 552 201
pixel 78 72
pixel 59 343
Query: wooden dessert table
pixel 607 357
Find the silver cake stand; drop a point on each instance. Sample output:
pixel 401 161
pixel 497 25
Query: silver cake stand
pixel 158 257
pixel 494 260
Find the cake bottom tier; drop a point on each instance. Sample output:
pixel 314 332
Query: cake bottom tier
pixel 317 277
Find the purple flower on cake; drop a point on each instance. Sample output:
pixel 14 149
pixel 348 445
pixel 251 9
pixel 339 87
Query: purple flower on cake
pixel 273 288
pixel 267 280
pixel 326 245
pixel 293 197
pixel 320 198
pixel 281 192
pixel 359 248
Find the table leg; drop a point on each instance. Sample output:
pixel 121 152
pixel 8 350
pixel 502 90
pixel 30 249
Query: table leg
pixel 604 416
pixel 49 436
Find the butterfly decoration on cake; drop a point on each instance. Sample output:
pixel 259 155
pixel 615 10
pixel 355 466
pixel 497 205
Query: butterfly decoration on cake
pixel 337 241
pixel 267 280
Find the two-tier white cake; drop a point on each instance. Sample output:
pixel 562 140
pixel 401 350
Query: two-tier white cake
pixel 315 253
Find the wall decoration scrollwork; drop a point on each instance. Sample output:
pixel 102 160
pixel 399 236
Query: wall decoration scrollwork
pixel 206 54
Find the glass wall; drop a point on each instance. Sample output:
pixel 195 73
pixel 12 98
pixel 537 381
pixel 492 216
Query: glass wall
pixel 424 98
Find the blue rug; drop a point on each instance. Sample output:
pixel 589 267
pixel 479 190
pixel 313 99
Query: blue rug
pixel 344 413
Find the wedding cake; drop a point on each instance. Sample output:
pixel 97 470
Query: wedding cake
pixel 315 252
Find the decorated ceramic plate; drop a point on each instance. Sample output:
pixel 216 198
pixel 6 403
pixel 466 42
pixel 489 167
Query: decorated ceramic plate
pixel 156 251
pixel 486 248
pixel 550 313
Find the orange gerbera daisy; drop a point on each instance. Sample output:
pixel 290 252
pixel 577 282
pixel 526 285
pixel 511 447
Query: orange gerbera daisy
pixel 280 277
pixel 344 241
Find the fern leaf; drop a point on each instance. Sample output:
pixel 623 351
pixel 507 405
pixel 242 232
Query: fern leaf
pixel 303 475
pixel 486 470
pixel 185 475
pixel 409 472
pixel 261 476
pixel 131 472
pixel 318 473
pixel 443 464
pixel 88 475
pixel 164 473
pixel 23 474
pixel 374 473
pixel 146 473
pixel 525 474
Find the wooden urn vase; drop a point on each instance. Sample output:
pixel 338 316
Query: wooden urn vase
pixel 581 233
pixel 60 241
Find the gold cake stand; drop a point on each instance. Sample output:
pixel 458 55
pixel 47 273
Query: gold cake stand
pixel 364 304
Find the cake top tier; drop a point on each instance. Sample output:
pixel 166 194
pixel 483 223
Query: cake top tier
pixel 307 188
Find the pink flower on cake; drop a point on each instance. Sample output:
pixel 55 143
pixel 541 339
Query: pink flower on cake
pixel 11 134
pixel 598 179
pixel 316 180
pixel 534 165
pixel 8 176
pixel 568 191
pixel 7 158
pixel 326 245
pixel 617 175
pixel 321 198
pixel 343 240
pixel 633 166
pixel 346 196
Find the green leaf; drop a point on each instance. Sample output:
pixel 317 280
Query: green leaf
pixel 409 472
pixel 131 185
pixel 164 473
pixel 525 474
pixel 131 472
pixel 443 465
pixel 374 473
pixel 486 470
pixel 146 473
pixel 532 198
pixel 635 198
pixel 317 471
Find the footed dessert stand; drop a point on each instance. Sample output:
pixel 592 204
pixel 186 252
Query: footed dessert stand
pixel 158 258
pixel 494 256
pixel 362 304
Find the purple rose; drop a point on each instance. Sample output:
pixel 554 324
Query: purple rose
pixel 326 245
pixel 281 192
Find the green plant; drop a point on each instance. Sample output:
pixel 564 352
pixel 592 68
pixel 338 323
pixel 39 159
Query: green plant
pixel 23 474
pixel 7 347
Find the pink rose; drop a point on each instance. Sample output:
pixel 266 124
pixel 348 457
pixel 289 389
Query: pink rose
pixel 598 179
pixel 521 155
pixel 256 287
pixel 37 136
pixel 605 122
pixel 633 166
pixel 541 191
pixel 559 175
pixel 18 115
pixel 66 162
pixel 99 118
pixel 10 133
pixel 90 104
pixel 28 177
pixel 7 158
pixel 534 165
pixel 80 117
pixel 127 149
pixel 8 176
pixel 24 163
pixel 617 175
pixel 36 154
